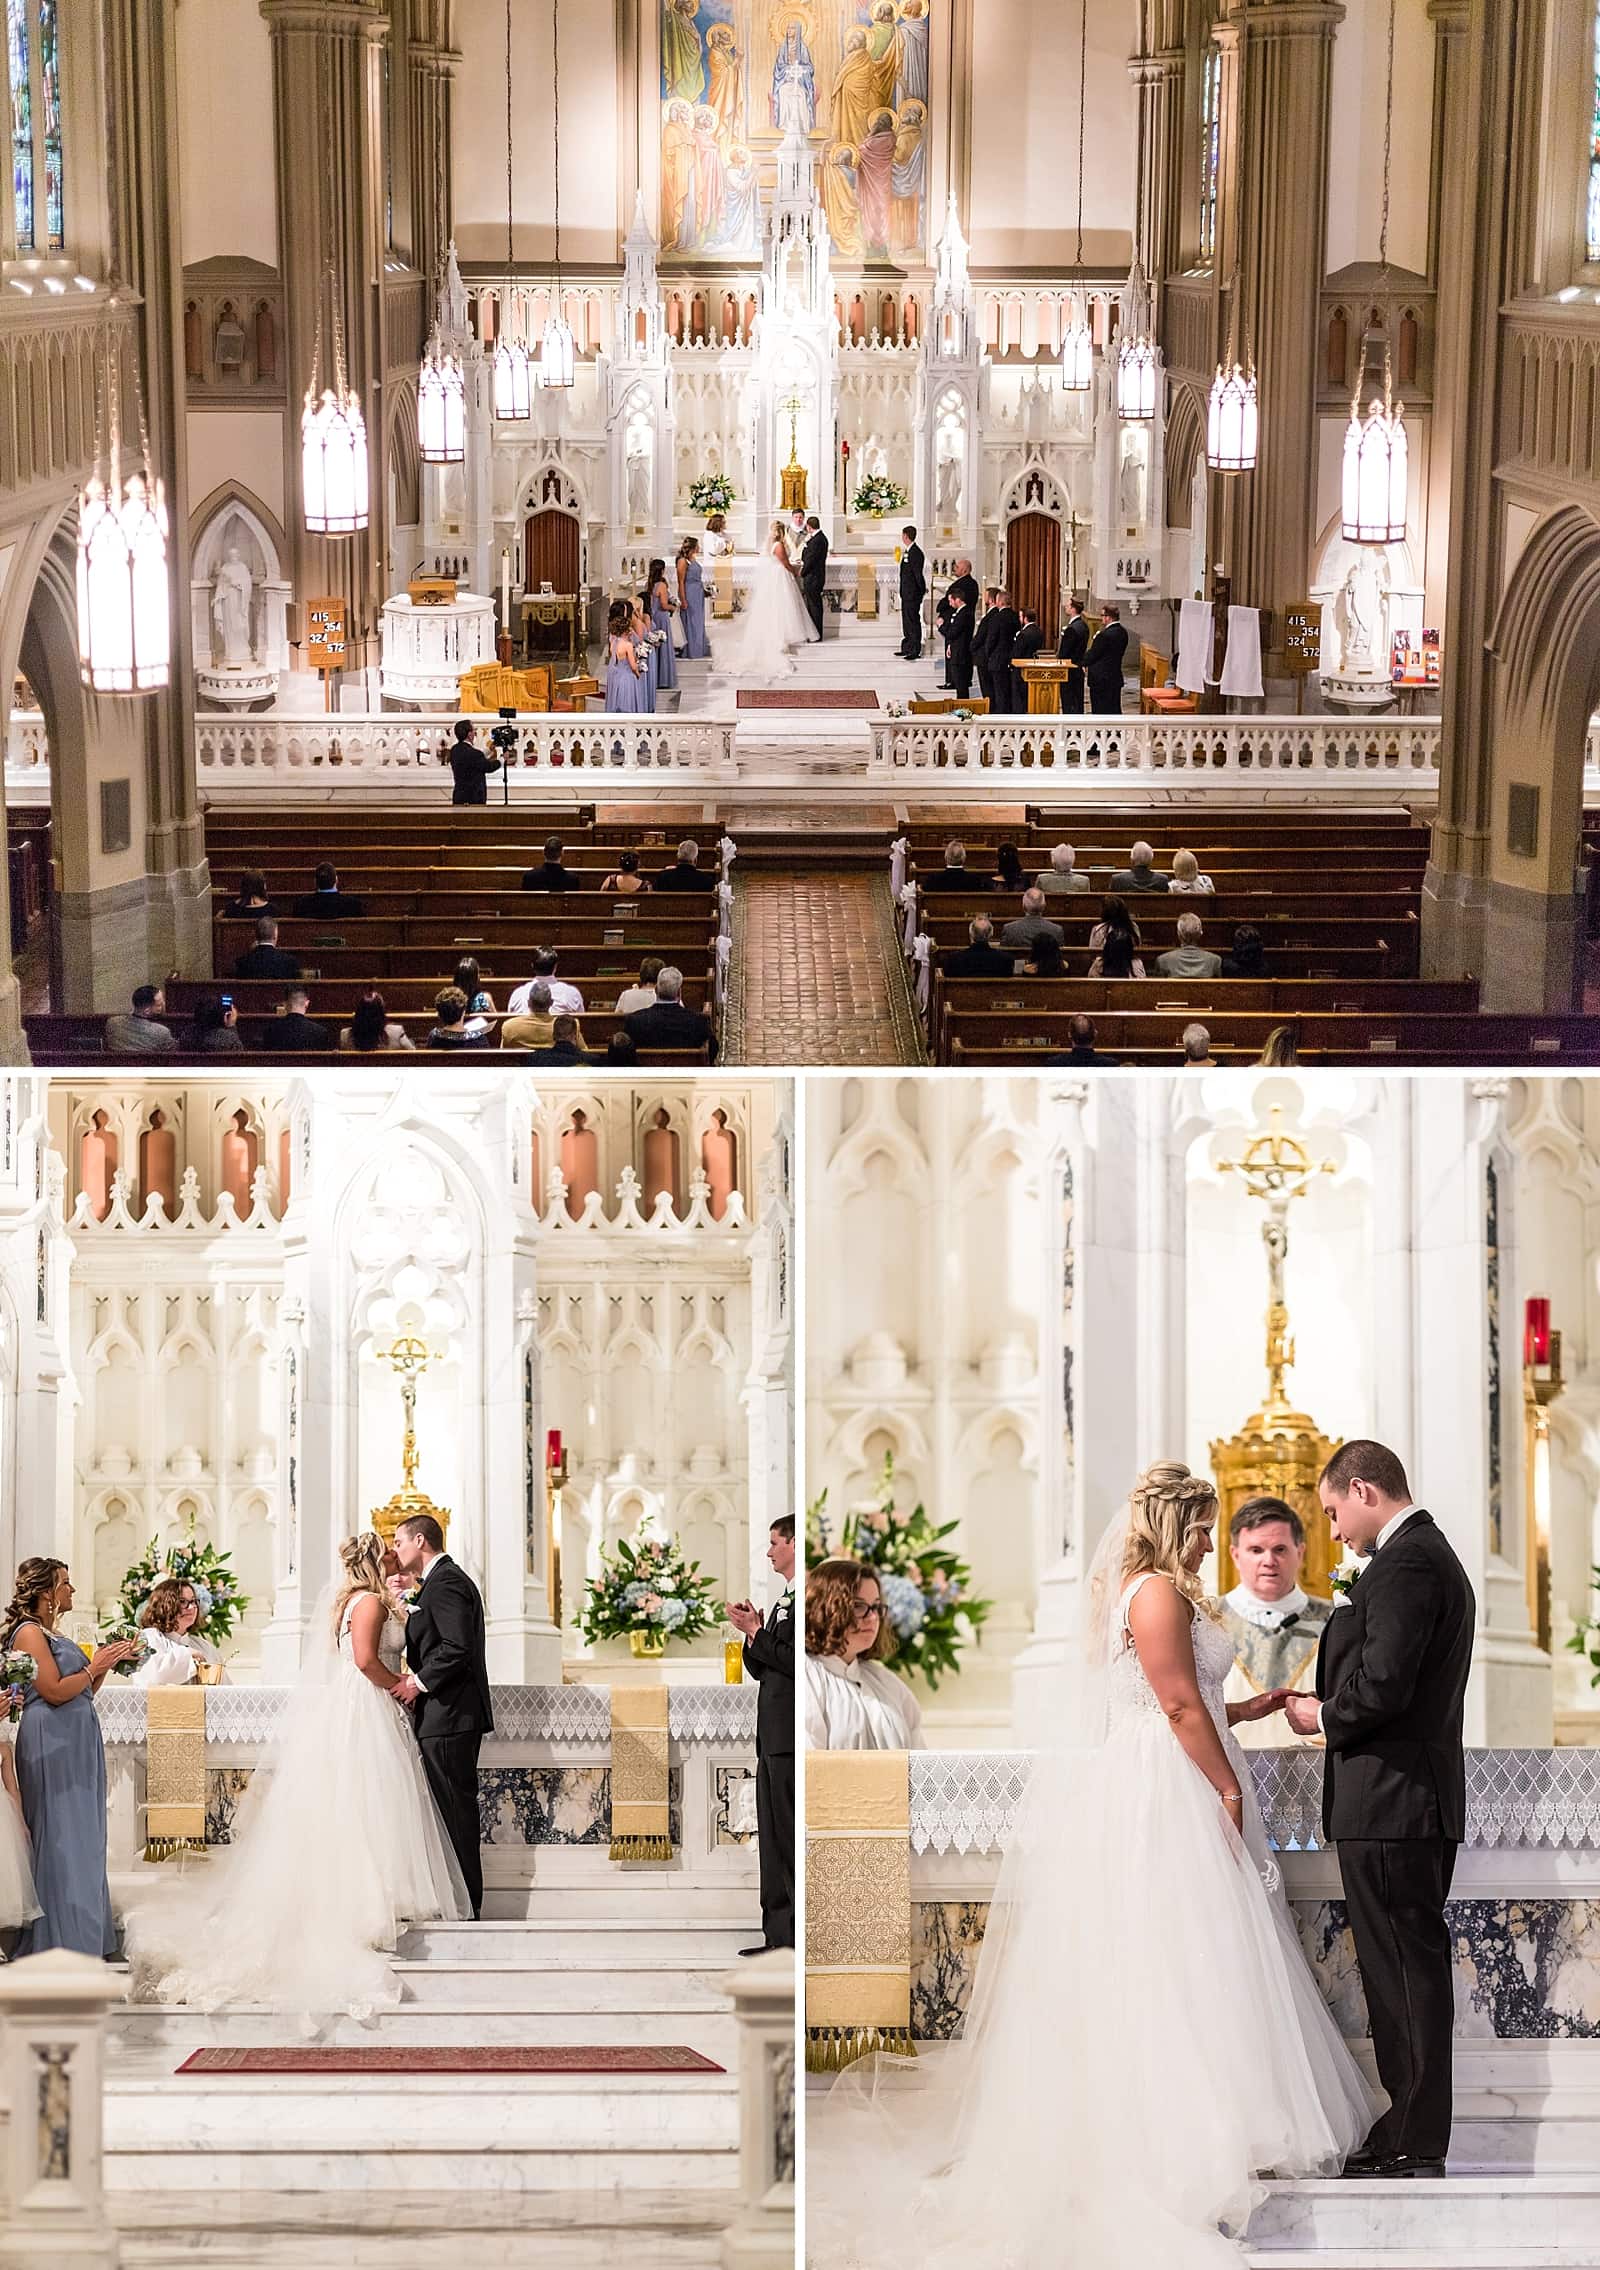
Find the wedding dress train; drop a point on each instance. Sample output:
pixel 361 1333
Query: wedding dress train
pixel 1145 2039
pixel 337 1847
pixel 759 645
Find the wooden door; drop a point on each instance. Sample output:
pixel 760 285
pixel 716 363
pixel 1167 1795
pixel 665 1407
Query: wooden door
pixel 550 551
pixel 1033 568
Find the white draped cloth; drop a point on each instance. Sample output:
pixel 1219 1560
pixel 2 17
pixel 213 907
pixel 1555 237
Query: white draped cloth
pixel 859 1706
pixel 1241 668
pixel 1194 646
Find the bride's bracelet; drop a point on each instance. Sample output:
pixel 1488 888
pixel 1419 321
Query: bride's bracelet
pixel 1232 1797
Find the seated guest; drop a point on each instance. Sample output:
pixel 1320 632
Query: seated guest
pixel 852 1702
pixel 1188 958
pixel 469 767
pixel 1043 958
pixel 551 876
pixel 1025 647
pixel 480 1005
pixel 641 995
pixel 293 1031
pixel 250 902
pixel 142 1033
pixel 534 1024
pixel 684 874
pixel 952 876
pixel 216 1028
pixel 1276 1628
pixel 565 999
pixel 1247 956
pixel 626 880
pixel 1186 876
pixel 1139 874
pixel 327 900
pixel 1083 1050
pixel 450 1021
pixel 1019 934
pixel 266 957
pixel 1281 1046
pixel 621 1048
pixel 1062 872
pixel 1196 1045
pixel 372 1028
pixel 980 957
pixel 1118 956
pixel 1114 916
pixel 1008 875
pixel 667 1023
pixel 566 1046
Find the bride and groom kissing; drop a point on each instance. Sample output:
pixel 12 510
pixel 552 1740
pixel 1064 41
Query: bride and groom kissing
pixel 367 1821
pixel 1140 1962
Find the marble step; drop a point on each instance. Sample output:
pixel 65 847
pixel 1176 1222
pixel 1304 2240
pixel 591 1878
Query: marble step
pixel 1464 2222
pixel 548 1940
pixel 648 1897
pixel 607 1984
pixel 542 2015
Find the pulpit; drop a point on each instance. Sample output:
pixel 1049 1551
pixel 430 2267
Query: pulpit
pixel 1044 681
pixel 428 648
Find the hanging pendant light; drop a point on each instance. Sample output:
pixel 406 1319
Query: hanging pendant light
pixel 1232 413
pixel 1077 341
pixel 124 592
pixel 1136 349
pixel 441 407
pixel 513 369
pixel 333 432
pixel 1376 456
pixel 557 352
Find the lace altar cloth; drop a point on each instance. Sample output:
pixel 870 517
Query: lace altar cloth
pixel 565 1715
pixel 966 1800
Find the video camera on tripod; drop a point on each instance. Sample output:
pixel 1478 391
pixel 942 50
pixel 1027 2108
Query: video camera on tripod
pixel 504 735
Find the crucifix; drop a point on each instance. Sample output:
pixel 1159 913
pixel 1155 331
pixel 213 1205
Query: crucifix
pixel 409 1358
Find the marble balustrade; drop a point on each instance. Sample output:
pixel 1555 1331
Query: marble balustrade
pixel 544 1784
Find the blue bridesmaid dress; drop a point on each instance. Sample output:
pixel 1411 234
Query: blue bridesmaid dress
pixel 661 620
pixel 696 645
pixel 624 691
pixel 61 1772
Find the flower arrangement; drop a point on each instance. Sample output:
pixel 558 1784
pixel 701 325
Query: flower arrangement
pixel 647 1586
pixel 1585 1641
pixel 711 492
pixel 878 495
pixel 16 1677
pixel 195 1563
pixel 927 1588
pixel 895 709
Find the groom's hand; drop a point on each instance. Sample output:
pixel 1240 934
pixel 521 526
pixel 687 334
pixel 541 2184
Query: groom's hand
pixel 404 1689
pixel 744 1618
pixel 1303 1713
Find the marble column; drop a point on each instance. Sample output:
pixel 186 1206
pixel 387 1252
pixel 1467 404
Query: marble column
pixel 1448 267
pixel 1282 53
pixel 1157 72
pixel 326 62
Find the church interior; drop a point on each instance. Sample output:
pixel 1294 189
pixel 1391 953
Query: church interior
pixel 1242 1272
pixel 358 358
pixel 240 1321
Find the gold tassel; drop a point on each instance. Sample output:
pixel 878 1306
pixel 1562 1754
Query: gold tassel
pixel 641 1848
pixel 829 2049
pixel 173 1847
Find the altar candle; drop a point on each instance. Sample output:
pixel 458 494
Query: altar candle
pixel 505 587
pixel 552 1447
pixel 1536 1332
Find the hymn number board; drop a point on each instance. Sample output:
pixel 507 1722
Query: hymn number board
pixel 1302 638
pixel 325 634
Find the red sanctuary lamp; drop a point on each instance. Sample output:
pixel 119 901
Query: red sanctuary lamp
pixel 1536 1334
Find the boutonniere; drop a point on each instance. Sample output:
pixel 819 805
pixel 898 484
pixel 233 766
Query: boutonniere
pixel 1344 1581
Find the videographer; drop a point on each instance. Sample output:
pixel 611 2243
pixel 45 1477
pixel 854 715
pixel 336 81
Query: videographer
pixel 470 766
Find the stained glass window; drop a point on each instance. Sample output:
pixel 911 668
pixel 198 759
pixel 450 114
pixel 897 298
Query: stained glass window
pixel 1592 234
pixel 50 118
pixel 21 123
pixel 1210 149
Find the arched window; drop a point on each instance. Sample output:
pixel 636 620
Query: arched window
pixel 1210 148
pixel 1592 230
pixel 33 59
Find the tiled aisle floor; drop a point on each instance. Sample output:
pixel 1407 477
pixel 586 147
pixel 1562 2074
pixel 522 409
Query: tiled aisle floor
pixel 817 975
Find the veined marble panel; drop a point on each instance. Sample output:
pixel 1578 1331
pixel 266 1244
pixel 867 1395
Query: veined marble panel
pixel 733 1805
pixel 517 1805
pixel 1525 1970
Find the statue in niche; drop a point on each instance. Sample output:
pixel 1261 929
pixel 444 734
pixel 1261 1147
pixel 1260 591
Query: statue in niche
pixel 950 487
pixel 796 105
pixel 638 485
pixel 1362 616
pixel 232 595
pixel 1130 483
pixel 794 82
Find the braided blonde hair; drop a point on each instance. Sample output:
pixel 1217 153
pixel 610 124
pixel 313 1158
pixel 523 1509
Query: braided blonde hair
pixel 1164 1507
pixel 361 1558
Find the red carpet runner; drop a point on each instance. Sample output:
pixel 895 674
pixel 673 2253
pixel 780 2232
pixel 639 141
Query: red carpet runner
pixel 807 697
pixel 553 2060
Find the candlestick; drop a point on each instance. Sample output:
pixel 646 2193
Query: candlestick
pixel 505 587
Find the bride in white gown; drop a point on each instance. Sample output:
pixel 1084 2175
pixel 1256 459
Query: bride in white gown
pixel 1146 2038
pixel 760 644
pixel 336 1848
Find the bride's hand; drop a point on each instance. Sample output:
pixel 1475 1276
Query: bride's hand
pixel 1258 1706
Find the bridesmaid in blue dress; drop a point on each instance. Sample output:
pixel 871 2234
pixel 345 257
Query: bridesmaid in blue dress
pixel 696 646
pixel 61 1766
pixel 644 646
pixel 626 682
pixel 662 609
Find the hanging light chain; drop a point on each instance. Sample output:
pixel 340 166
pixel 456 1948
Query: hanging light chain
pixel 1083 59
pixel 1388 145
pixel 555 99
pixel 510 194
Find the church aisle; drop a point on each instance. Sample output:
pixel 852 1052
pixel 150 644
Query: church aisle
pixel 817 977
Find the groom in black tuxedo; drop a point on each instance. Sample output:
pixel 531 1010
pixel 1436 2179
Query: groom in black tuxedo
pixel 1392 1677
pixel 814 570
pixel 769 1657
pixel 447 1686
pixel 913 590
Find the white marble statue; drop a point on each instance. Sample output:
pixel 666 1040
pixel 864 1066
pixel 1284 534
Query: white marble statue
pixel 638 486
pixel 950 487
pixel 231 600
pixel 1130 486
pixel 1361 620
pixel 795 109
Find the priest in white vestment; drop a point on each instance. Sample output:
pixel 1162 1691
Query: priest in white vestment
pixel 853 1701
pixel 1276 1627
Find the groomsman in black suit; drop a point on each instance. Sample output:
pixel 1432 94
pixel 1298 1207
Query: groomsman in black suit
pixel 1102 665
pixel 1074 646
pixel 1392 1677
pixel 959 632
pixel 997 631
pixel 814 570
pixel 769 1657
pixel 1025 647
pixel 913 590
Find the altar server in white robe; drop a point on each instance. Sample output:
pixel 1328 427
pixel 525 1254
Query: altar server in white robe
pixel 853 1702
pixel 1275 1625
